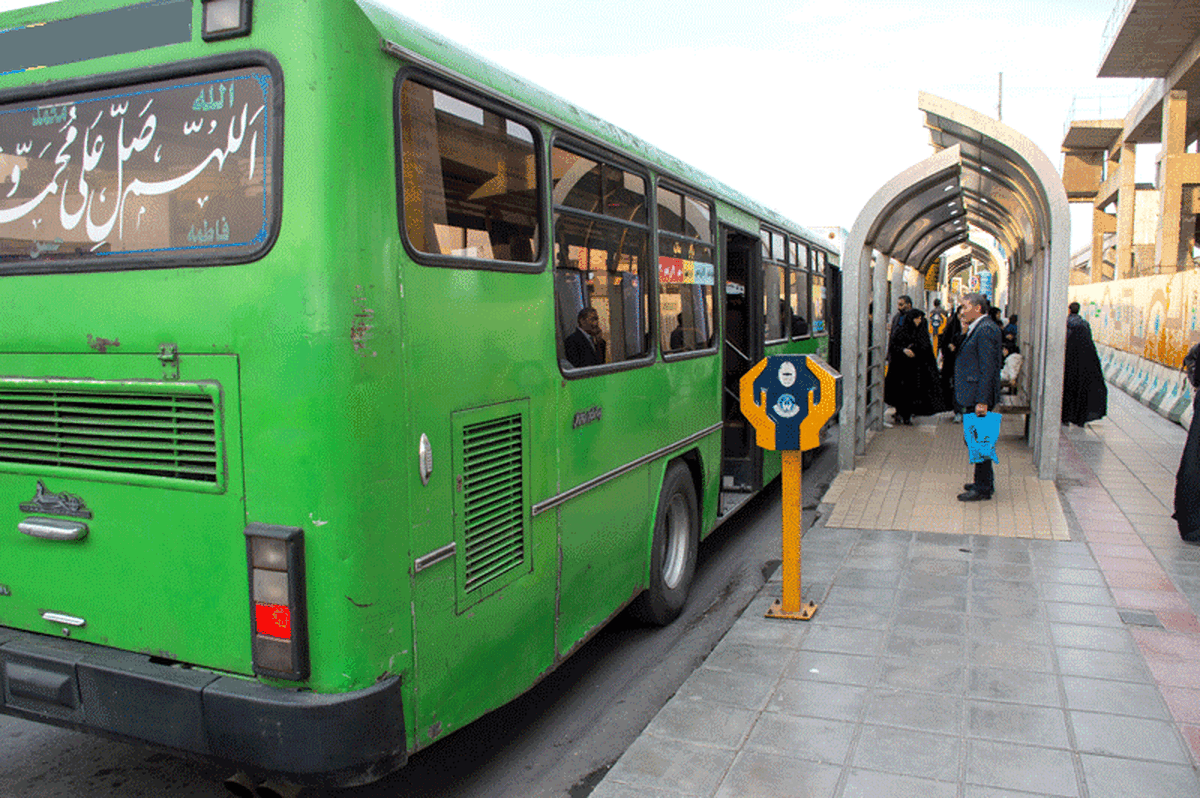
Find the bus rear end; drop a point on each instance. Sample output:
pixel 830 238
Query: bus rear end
pixel 158 579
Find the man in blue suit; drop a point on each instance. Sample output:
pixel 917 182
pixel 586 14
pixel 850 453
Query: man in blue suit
pixel 977 381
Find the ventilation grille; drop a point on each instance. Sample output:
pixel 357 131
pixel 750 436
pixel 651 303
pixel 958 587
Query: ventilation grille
pixel 170 435
pixel 493 495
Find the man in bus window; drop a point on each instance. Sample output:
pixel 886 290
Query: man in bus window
pixel 586 346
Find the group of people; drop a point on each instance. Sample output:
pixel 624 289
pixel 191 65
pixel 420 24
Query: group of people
pixel 979 357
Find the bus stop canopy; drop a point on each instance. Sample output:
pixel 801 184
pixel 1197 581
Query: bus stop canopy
pixel 984 176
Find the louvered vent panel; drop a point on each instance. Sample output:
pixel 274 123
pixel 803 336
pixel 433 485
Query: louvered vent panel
pixel 493 491
pixel 152 434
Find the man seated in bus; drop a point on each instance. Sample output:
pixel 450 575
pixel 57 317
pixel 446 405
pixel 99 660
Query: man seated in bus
pixel 586 346
pixel 677 334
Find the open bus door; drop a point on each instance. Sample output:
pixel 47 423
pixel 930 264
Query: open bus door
pixel 741 459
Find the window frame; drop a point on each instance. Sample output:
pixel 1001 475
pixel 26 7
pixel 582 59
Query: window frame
pixel 466 94
pixel 560 139
pixel 198 67
pixel 677 188
pixel 768 232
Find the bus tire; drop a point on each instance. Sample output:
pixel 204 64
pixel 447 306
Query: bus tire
pixel 672 551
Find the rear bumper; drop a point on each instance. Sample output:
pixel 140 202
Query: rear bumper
pixel 332 739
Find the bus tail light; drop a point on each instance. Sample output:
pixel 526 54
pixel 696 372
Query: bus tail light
pixel 225 19
pixel 279 634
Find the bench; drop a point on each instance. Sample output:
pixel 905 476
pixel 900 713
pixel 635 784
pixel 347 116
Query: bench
pixel 1015 404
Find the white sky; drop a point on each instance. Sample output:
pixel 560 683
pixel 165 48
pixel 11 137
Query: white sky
pixel 808 106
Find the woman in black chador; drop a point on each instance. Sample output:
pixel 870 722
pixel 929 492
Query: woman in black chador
pixel 1187 478
pixel 912 385
pixel 949 342
pixel 1085 396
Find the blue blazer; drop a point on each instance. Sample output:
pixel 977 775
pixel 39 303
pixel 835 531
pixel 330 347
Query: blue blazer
pixel 977 369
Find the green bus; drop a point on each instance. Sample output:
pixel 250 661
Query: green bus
pixel 348 383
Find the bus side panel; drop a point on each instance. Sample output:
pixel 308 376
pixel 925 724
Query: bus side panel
pixel 691 391
pixel 474 355
pixel 604 532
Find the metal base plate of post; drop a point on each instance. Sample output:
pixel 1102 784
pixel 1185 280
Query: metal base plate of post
pixel 806 611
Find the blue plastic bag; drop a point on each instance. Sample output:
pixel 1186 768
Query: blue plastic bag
pixel 981 433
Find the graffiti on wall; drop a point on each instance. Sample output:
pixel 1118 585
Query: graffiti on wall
pixel 1156 317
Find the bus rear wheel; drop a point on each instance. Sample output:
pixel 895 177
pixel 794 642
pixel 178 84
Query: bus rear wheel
pixel 672 551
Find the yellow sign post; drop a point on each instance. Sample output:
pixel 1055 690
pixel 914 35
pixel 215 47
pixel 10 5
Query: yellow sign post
pixel 787 399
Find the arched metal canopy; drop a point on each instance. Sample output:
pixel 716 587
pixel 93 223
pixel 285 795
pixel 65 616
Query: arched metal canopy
pixel 985 176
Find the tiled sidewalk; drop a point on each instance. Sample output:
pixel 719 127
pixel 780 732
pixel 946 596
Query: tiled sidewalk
pixel 962 665
pixel 910 476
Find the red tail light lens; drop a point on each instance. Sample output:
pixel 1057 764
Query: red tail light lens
pixel 279 637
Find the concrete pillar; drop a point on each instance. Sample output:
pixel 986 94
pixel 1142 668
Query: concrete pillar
pixel 1102 224
pixel 1168 246
pixel 1123 266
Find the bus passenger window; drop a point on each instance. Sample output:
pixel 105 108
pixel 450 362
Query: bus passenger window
pixel 686 272
pixel 798 290
pixel 470 179
pixel 600 261
pixel 775 304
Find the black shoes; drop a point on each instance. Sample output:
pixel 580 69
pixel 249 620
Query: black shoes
pixel 973 495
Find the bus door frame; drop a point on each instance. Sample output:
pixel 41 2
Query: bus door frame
pixel 742 347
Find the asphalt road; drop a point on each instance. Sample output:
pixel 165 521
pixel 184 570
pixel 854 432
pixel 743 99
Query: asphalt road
pixel 557 741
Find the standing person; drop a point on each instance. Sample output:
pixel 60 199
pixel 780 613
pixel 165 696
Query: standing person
pixel 1085 396
pixel 937 323
pixel 895 327
pixel 950 342
pixel 1187 478
pixel 586 346
pixel 1010 330
pixel 912 385
pixel 977 381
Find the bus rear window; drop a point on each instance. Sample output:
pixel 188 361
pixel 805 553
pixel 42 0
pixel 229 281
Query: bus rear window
pixel 469 177
pixel 177 171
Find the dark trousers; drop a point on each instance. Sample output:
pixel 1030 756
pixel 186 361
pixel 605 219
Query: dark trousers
pixel 984 479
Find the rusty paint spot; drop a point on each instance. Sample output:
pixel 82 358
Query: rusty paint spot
pixel 435 730
pixel 101 345
pixel 361 329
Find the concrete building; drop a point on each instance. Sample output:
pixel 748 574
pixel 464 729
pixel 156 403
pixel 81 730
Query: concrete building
pixel 1138 230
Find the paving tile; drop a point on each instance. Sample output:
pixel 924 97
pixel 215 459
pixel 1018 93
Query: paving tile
pixel 1149 599
pixel 1132 738
pixel 1115 698
pixel 753 629
pixel 1015 686
pixel 1183 703
pixel 1011 766
pixel 816 739
pixel 908 752
pixel 758 775
pixel 870 784
pixel 749 658
pixel 654 763
pixel 933 675
pixel 613 789
pixel 914 710
pixel 1077 594
pixel 1102 665
pixel 1010 654
pixel 1006 607
pixel 852 615
pixel 1017 723
pixel 1102 638
pixel 716 725
pixel 744 690
pixel 909 600
pixel 1071 576
pixel 842 639
pixel 1082 614
pixel 819 699
pixel 983 627
pixel 950 623
pixel 825 666
pixel 906 642
pixel 1108 777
